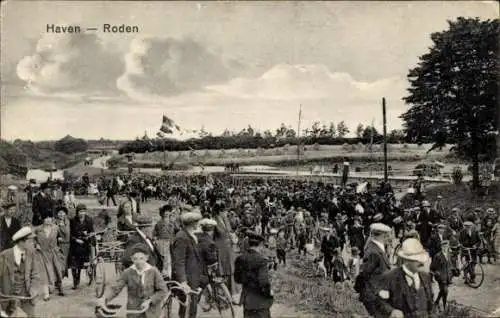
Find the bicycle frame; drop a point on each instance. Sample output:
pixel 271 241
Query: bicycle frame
pixel 5 298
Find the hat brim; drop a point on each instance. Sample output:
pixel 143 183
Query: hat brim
pixel 420 257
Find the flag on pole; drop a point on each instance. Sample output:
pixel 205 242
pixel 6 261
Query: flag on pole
pixel 166 125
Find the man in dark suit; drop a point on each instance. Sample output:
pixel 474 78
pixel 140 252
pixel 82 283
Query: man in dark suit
pixel 441 270
pixel 437 238
pixel 9 225
pixel 187 261
pixel 375 263
pixel 329 244
pixel 470 241
pixel 20 274
pixel 423 222
pixel 43 205
pixel 251 270
pixel 406 291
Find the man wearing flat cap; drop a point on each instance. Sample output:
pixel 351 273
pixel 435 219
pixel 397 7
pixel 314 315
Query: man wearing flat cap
pixel 405 291
pixel 187 262
pixel 43 205
pixel 251 270
pixel 20 273
pixel 375 263
pixel 469 239
pixel 9 225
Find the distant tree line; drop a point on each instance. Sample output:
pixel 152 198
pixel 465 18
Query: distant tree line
pixel 250 138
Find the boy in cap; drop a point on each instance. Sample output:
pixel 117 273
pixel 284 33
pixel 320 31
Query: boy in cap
pixel 187 264
pixel 20 273
pixel 251 270
pixel 441 270
pixel 145 285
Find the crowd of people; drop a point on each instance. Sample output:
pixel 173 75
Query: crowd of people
pixel 243 229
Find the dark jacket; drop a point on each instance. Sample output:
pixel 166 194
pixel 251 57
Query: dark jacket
pixel 187 262
pixel 42 207
pixel 80 253
pixel 400 296
pixel 441 268
pixel 6 233
pixel 375 263
pixel 435 243
pixel 329 245
pixel 252 272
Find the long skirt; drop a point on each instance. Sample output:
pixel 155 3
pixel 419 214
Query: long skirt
pixel 53 268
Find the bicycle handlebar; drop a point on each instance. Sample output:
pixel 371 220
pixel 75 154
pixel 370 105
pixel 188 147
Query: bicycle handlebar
pixel 15 297
pixel 112 312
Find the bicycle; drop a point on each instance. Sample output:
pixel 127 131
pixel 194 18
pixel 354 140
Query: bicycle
pixel 467 261
pixel 105 251
pixel 176 286
pixel 217 295
pixel 111 310
pixel 13 312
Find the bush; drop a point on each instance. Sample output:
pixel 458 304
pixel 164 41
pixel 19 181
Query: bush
pixel 316 147
pixel 286 147
pixel 457 175
pixel 70 145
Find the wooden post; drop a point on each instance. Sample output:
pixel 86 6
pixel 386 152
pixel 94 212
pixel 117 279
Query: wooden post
pixel 298 138
pixel 385 139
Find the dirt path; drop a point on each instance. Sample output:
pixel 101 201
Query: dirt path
pixel 79 303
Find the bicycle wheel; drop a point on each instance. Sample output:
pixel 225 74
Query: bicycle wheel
pixel 100 279
pixel 478 279
pixel 223 301
pixel 91 273
pixel 206 299
pixel 168 306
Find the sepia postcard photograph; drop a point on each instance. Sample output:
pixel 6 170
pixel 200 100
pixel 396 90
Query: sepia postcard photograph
pixel 249 159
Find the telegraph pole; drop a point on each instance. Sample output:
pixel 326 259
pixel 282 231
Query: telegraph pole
pixel 298 138
pixel 385 139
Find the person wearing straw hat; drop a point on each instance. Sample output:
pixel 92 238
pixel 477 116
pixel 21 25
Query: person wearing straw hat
pixel 9 225
pixel 251 270
pixel 20 273
pixel 405 291
pixel 187 262
pixel 375 263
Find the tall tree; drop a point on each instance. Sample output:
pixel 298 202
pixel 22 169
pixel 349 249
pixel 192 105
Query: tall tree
pixel 359 130
pixel 454 88
pixel 332 131
pixel 342 129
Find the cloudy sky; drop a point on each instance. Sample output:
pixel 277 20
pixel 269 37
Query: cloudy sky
pixel 213 64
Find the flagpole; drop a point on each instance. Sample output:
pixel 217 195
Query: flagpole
pixel 371 147
pixel 298 138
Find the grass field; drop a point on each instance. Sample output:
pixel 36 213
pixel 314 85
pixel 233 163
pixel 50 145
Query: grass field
pixel 403 157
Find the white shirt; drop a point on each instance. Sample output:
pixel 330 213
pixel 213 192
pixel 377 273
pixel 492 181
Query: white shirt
pixel 18 253
pixel 142 272
pixel 129 218
pixel 411 277
pixel 382 246
pixel 8 220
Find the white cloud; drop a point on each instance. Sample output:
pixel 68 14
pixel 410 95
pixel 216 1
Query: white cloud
pixel 311 82
pixel 157 67
pixel 76 63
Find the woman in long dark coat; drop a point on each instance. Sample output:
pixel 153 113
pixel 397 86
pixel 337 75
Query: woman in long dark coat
pixel 224 245
pixel 81 226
